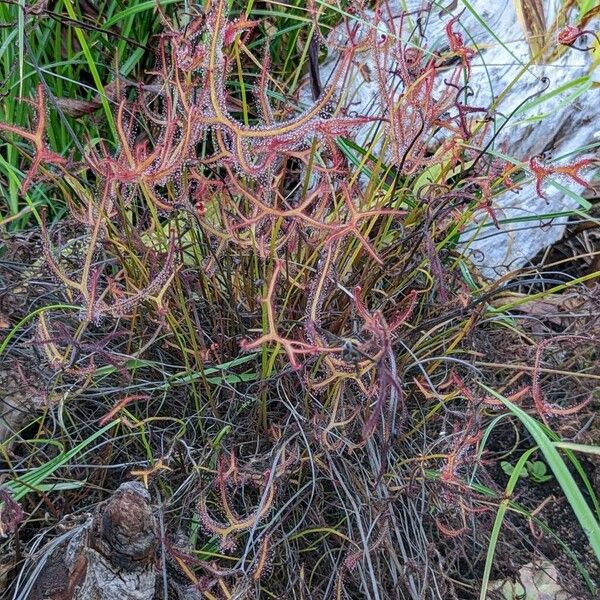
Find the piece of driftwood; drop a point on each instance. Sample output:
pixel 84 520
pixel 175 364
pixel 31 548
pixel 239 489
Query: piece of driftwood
pixel 111 556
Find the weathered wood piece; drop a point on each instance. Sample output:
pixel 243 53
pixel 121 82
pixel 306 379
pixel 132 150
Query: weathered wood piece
pixel 112 556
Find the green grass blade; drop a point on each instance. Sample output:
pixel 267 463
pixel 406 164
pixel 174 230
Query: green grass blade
pixel 504 505
pixel 570 454
pixel 580 507
pixel 23 485
pixel 93 69
pixel 578 447
pixel 130 11
pixel 30 316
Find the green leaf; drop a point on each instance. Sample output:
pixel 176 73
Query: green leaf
pixel 504 505
pixel 582 511
pixel 579 86
pixel 585 7
pixel 578 447
pixel 507 467
pixel 91 60
pixel 538 471
pixel 121 15
pixel 33 480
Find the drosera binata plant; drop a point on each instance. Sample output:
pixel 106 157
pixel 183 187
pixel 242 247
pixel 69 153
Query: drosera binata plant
pixel 228 229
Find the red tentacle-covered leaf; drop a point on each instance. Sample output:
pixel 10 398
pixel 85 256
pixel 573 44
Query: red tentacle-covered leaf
pixel 294 349
pixel 568 35
pixel 457 46
pixel 37 137
pixel 11 513
pixel 235 27
pixel 571 171
pixel 543 408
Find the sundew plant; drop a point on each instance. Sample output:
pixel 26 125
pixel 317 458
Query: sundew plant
pixel 275 312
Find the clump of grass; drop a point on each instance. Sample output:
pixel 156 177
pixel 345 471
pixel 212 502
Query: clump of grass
pixel 289 351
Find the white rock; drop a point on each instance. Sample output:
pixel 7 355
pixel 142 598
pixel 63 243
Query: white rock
pixel 535 582
pixel 558 126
